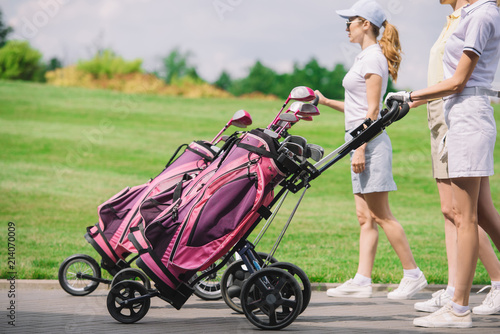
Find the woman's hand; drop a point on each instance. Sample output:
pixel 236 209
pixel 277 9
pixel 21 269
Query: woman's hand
pixel 322 98
pixel 358 160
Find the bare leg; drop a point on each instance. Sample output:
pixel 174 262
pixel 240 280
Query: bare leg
pixel 368 237
pixel 450 231
pixel 487 216
pixel 489 219
pixel 378 203
pixel 465 199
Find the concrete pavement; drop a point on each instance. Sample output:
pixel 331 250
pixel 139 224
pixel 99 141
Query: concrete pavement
pixel 43 307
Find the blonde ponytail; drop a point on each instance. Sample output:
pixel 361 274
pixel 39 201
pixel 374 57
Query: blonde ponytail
pixel 391 48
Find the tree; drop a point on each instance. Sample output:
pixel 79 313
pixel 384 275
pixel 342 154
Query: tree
pixel 4 31
pixel 53 64
pixel 176 66
pixel 18 61
pixel 224 81
pixel 260 79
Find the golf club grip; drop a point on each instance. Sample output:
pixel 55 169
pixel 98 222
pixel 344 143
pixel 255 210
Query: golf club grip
pixel 315 101
pixel 405 108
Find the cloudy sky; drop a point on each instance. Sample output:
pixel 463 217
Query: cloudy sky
pixel 220 34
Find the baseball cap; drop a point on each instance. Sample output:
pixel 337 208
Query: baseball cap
pixel 367 9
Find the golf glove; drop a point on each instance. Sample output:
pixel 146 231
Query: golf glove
pixel 402 96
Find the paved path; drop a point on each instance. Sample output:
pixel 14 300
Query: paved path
pixel 46 308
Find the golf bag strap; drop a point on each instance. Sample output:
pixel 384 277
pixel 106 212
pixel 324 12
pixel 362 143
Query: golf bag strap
pixel 259 150
pixel 175 154
pixel 178 188
pixel 204 156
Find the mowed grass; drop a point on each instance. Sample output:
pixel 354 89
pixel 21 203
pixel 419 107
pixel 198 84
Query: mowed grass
pixel 64 151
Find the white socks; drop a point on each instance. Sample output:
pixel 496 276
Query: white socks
pixel 459 308
pixel 450 290
pixel 412 273
pixel 362 280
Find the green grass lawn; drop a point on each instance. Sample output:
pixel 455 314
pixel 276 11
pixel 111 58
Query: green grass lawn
pixel 66 150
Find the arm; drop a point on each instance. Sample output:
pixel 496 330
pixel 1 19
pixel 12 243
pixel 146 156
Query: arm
pixel 334 104
pixel 453 85
pixel 373 92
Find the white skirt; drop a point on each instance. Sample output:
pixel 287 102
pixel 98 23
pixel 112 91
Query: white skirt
pixel 377 176
pixel 471 136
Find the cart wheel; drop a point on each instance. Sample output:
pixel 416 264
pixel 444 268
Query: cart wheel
pixel 120 293
pixel 231 284
pixel 232 281
pixel 131 274
pixel 70 270
pixel 276 294
pixel 209 288
pixel 301 278
pixel 264 256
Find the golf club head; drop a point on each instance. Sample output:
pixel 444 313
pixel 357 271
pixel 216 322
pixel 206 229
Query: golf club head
pixel 271 133
pixel 295 107
pixel 299 140
pixel 302 93
pixel 308 109
pixel 305 118
pixel 283 125
pixel 315 152
pixel 290 118
pixel 294 148
pixel 241 119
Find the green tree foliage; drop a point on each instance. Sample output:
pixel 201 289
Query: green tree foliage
pixel 176 67
pixel 18 61
pixel 265 80
pixel 53 64
pixel 108 63
pixel 224 81
pixel 4 31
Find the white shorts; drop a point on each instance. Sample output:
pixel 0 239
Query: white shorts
pixel 377 176
pixel 471 136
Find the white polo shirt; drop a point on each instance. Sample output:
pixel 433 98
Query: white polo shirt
pixel 479 32
pixel 370 61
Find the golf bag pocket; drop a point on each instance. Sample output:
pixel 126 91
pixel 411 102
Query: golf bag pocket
pixel 113 212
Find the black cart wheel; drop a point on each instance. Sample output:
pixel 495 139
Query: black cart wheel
pixel 131 274
pixel 301 278
pixel 118 307
pixel 271 298
pixel 209 288
pixel 71 271
pixel 232 282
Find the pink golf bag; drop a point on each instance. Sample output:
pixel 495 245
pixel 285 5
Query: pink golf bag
pixel 203 218
pixel 118 214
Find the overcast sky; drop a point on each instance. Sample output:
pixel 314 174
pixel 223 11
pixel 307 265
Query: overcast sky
pixel 220 34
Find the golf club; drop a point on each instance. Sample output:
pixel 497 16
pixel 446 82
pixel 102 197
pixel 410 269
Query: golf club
pixel 300 93
pixel 240 119
pixel 315 152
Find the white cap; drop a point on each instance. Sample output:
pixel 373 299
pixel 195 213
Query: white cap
pixel 367 9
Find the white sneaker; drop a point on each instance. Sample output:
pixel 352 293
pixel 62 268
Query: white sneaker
pixel 491 303
pixel 350 289
pixel 408 287
pixel 439 299
pixel 445 317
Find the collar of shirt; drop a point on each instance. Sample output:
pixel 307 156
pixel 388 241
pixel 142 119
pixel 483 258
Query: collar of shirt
pixel 366 50
pixel 456 14
pixel 469 8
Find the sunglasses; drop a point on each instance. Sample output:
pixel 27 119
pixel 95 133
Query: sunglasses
pixel 348 23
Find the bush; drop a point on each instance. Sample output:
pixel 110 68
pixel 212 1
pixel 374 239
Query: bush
pixel 18 61
pixel 107 63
